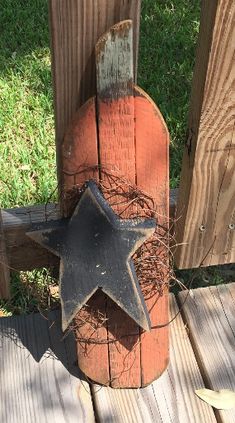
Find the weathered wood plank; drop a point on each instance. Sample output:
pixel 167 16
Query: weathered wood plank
pixel 205 209
pixel 79 152
pixel 23 253
pixel 152 177
pixel 4 265
pixel 75 29
pixel 39 379
pixel 169 399
pixel 116 126
pixel 115 100
pixel 93 329
pixel 209 315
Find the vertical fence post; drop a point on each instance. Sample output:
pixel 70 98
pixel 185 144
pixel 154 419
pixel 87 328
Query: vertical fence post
pixel 205 225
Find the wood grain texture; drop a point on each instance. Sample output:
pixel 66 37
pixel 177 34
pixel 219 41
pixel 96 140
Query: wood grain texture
pixel 209 315
pixel 93 357
pixel 39 379
pixel 76 26
pixel 152 177
pixel 79 152
pixel 23 253
pixel 169 399
pixel 124 348
pixel 205 209
pixel 4 265
pixel 115 100
pixel 116 127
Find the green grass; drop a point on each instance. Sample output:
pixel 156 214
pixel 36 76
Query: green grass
pixel 202 277
pixel 31 291
pixel 27 154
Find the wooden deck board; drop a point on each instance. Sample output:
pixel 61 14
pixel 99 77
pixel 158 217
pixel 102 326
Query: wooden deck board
pixel 169 399
pixel 39 381
pixel 210 317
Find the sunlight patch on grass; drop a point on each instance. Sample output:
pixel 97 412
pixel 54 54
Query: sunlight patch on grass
pixel 27 153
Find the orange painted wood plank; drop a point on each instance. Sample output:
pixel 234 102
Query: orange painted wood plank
pixel 115 102
pixel 79 152
pixel 155 344
pixel 117 137
pixel 124 348
pixel 92 342
pixel 152 168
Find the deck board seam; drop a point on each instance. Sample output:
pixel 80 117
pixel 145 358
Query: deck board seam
pixel 94 405
pixel 222 305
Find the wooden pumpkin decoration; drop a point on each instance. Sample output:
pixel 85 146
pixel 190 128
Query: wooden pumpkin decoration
pixel 118 144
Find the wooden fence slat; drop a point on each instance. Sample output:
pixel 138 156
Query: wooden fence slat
pixel 76 26
pixel 4 265
pixel 205 225
pixel 171 398
pixel 209 314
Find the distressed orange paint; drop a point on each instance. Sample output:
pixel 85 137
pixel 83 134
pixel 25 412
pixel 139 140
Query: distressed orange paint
pixel 133 141
pixel 79 151
pixel 152 172
pixel 116 123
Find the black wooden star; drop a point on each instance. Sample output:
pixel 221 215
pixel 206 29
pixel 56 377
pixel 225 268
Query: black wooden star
pixel 95 247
